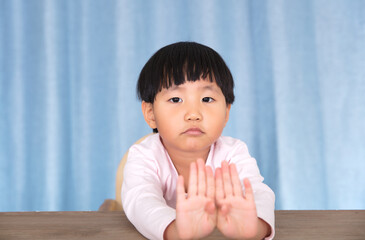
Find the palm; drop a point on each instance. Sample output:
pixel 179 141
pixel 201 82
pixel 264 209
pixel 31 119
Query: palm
pixel 195 213
pixel 241 220
pixel 237 217
pixel 192 217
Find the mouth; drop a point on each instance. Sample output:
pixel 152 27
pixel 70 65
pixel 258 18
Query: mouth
pixel 193 131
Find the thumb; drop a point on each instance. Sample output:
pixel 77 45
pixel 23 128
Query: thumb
pixel 210 207
pixel 224 209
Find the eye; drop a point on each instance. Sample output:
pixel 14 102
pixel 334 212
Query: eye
pixel 207 99
pixel 175 100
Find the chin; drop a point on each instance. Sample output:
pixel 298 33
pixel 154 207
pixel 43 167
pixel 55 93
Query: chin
pixel 193 146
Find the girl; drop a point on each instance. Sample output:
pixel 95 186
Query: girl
pixel 187 91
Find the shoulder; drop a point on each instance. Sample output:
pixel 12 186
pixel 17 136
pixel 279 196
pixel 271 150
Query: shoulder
pixel 145 151
pixel 149 153
pixel 230 143
pixel 149 144
pixel 145 141
pixel 230 149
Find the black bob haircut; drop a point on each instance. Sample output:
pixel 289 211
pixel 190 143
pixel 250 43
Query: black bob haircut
pixel 183 61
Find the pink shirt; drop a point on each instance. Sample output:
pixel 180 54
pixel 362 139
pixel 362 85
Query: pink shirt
pixel 150 178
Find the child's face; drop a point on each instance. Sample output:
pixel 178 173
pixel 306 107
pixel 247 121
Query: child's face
pixel 189 117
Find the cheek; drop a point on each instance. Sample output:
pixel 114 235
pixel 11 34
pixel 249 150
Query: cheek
pixel 166 117
pixel 219 114
pixel 224 118
pixel 216 120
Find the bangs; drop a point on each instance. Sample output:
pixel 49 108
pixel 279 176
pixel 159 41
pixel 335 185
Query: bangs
pixel 187 64
pixel 180 62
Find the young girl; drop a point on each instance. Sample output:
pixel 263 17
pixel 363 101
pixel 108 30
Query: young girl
pixel 187 91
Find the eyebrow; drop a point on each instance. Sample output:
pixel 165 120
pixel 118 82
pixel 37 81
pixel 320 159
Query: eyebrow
pixel 209 87
pixel 212 88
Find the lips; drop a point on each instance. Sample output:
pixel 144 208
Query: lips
pixel 193 131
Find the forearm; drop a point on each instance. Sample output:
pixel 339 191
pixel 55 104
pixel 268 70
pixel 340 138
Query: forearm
pixel 148 213
pixel 264 229
pixel 171 232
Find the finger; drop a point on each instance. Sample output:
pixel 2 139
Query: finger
pixel 227 184
pixel 180 191
pixel 201 177
pixel 210 207
pixel 248 189
pixel 192 190
pixel 237 187
pixel 224 210
pixel 219 190
pixel 210 182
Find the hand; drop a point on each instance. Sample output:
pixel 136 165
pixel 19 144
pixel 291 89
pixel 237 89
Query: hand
pixel 237 217
pixel 196 212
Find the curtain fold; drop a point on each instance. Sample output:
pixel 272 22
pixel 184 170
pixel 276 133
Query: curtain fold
pixel 69 111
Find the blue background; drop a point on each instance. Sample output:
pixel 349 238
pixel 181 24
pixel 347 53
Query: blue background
pixel 68 108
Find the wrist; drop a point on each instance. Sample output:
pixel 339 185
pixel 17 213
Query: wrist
pixel 264 229
pixel 171 232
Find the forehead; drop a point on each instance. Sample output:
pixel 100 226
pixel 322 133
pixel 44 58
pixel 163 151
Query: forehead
pixel 202 84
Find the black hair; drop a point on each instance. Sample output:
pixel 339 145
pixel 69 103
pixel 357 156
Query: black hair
pixel 183 61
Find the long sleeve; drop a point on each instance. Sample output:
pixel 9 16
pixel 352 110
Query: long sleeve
pixel 143 193
pixel 150 178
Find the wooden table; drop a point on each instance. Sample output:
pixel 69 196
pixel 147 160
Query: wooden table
pixel 343 224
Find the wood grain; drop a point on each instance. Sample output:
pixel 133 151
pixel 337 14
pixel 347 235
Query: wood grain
pixel 325 224
pixel 329 224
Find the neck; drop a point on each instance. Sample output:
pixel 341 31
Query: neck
pixel 183 159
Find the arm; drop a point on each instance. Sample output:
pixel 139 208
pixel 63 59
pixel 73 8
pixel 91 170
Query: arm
pixel 264 197
pixel 143 197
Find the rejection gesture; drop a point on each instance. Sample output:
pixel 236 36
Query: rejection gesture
pixel 196 212
pixel 237 217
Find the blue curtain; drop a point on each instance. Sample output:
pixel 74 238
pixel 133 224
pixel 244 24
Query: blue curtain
pixel 68 108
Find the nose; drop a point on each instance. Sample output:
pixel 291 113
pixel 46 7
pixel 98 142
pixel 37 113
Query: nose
pixel 193 114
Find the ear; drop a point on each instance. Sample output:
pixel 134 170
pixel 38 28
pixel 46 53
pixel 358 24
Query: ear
pixel 149 116
pixel 227 113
